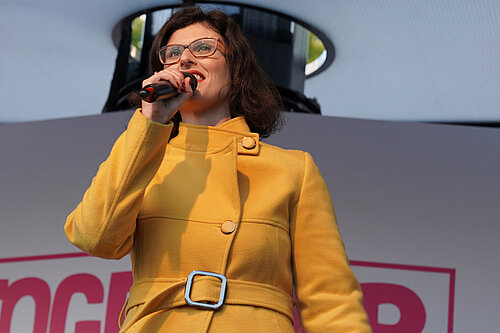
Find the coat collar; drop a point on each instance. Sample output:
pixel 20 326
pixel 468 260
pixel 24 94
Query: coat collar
pixel 213 138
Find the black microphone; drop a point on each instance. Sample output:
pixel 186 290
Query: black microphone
pixel 158 91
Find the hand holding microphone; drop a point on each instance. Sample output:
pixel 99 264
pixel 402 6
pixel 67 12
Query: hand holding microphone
pixel 164 92
pixel 158 91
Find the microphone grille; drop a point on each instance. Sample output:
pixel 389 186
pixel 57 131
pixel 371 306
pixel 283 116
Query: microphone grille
pixel 194 81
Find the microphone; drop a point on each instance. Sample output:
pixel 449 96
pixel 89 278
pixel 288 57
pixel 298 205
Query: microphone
pixel 158 91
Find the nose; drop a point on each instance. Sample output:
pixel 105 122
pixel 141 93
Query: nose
pixel 187 58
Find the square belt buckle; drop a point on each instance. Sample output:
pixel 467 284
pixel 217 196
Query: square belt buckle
pixel 189 283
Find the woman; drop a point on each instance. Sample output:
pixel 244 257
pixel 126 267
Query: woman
pixel 254 220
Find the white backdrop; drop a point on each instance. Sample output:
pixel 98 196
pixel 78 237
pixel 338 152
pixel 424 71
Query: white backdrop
pixel 417 204
pixel 395 60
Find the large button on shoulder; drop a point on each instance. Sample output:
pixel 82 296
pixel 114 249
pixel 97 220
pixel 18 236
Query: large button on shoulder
pixel 227 227
pixel 248 142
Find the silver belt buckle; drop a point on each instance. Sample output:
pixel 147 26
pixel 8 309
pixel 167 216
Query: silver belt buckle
pixel 189 283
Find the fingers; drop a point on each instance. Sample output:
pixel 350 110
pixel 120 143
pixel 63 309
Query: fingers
pixel 175 78
pixel 163 109
pixel 186 86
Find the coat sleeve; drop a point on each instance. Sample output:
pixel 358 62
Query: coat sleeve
pixel 103 224
pixel 329 294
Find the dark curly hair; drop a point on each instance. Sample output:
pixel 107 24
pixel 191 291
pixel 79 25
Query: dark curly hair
pixel 251 94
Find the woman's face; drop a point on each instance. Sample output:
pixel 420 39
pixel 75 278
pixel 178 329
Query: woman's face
pixel 212 71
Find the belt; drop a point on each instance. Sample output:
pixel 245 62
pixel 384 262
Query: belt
pixel 167 293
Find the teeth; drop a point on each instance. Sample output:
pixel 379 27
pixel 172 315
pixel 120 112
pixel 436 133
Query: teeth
pixel 198 77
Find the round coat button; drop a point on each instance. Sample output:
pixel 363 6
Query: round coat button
pixel 227 227
pixel 248 142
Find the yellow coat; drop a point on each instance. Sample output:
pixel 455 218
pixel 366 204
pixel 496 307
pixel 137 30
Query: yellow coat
pixel 217 199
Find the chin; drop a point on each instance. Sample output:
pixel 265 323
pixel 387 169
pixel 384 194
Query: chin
pixel 198 102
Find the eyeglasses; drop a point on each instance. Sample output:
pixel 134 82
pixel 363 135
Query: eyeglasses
pixel 200 48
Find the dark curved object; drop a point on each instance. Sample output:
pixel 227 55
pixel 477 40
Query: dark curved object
pixel 277 43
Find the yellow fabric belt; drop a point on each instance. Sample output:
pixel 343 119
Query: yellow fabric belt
pixel 164 294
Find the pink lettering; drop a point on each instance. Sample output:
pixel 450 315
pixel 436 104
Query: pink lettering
pixel 118 288
pixel 87 284
pixel 88 326
pixel 411 308
pixel 34 287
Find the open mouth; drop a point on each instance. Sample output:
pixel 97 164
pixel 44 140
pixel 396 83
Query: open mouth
pixel 198 76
